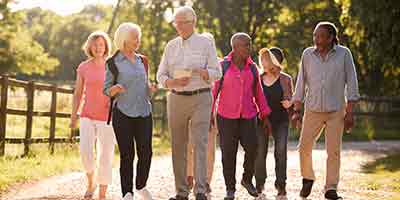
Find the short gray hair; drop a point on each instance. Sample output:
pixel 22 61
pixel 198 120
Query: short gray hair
pixel 122 33
pixel 187 11
pixel 239 35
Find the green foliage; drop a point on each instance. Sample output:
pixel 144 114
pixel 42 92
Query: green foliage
pixel 383 174
pixel 373 31
pixel 63 37
pixel 368 28
pixel 19 53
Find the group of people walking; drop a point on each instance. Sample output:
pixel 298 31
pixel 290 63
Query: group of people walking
pixel 233 97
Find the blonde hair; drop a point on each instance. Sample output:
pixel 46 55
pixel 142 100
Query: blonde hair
pixel 93 37
pixel 121 35
pixel 266 52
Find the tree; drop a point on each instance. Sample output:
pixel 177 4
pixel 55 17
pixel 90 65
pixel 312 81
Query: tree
pixel 19 53
pixel 373 31
pixel 225 17
pixel 63 37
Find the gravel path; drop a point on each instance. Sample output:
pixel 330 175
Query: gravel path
pixel 161 182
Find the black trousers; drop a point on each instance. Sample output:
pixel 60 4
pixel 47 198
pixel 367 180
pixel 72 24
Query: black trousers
pixel 233 131
pixel 128 131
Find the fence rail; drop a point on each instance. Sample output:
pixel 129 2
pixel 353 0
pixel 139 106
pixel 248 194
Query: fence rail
pixel 377 107
pixel 30 87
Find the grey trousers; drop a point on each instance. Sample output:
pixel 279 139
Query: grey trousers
pixel 196 109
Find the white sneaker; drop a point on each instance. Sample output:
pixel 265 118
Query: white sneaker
pixel 144 193
pixel 209 196
pixel 261 196
pixel 128 196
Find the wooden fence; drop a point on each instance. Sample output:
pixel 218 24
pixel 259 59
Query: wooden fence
pixel 30 87
pixel 376 107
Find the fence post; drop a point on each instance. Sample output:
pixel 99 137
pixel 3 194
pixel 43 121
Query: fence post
pixel 30 91
pixel 53 110
pixel 3 113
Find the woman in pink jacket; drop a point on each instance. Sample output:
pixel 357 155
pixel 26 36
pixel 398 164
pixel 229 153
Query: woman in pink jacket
pixel 241 103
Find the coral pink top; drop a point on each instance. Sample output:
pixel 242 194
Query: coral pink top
pixel 95 103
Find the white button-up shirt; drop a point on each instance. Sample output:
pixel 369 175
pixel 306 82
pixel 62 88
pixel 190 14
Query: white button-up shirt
pixel 197 51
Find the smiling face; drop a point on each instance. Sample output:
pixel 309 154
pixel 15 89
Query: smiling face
pixel 132 43
pixel 268 65
pixel 184 25
pixel 322 39
pixel 242 47
pixel 98 47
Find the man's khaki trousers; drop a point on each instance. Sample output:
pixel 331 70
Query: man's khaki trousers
pixel 313 123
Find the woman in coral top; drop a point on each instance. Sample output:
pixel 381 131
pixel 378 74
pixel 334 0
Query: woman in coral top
pixel 93 116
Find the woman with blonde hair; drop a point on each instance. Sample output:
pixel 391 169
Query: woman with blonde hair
pixel 94 130
pixel 277 88
pixel 127 81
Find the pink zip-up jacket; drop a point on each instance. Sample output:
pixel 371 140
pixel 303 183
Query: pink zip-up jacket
pixel 236 98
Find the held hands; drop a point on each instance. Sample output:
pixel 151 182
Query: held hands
pixel 116 89
pixel 286 104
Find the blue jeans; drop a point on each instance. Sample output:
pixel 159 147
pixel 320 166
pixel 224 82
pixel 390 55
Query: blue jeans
pixel 280 134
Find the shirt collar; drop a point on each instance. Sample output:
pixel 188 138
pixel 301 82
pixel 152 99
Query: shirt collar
pixel 189 38
pixel 120 57
pixel 333 50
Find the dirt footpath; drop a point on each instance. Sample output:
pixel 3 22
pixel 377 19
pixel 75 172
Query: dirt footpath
pixel 161 181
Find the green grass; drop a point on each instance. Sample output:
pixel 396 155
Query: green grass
pixel 383 175
pixel 359 133
pixel 39 163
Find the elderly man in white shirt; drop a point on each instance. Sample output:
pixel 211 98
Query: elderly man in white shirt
pixel 188 67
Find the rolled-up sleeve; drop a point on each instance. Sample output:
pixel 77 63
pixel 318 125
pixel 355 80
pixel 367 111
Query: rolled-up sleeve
pixel 108 81
pixel 301 81
pixel 163 72
pixel 352 91
pixel 213 66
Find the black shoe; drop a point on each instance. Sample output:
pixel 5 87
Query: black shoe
pixel 250 188
pixel 201 196
pixel 306 189
pixel 332 195
pixel 177 197
pixel 208 188
pixel 230 195
pixel 259 188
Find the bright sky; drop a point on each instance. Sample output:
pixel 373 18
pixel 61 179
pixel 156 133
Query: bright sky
pixel 62 7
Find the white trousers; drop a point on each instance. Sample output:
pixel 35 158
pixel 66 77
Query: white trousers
pixel 94 133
